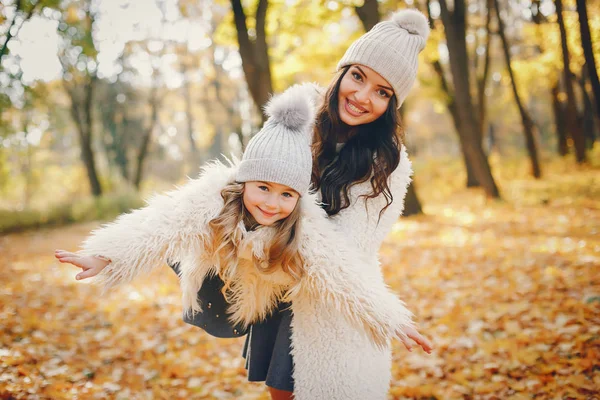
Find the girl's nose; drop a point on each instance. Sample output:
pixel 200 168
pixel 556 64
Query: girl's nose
pixel 271 202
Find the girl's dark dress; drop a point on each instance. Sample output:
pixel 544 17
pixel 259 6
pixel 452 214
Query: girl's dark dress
pixel 268 350
pixel 268 343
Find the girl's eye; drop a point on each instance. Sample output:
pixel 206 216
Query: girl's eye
pixel 356 76
pixel 264 188
pixel 287 195
pixel 383 93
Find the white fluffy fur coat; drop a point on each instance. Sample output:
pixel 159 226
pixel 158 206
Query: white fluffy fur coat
pixel 343 313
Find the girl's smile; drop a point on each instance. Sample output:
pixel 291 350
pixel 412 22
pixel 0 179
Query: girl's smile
pixel 267 214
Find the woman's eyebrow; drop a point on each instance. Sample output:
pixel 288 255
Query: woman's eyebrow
pixel 361 71
pixel 381 86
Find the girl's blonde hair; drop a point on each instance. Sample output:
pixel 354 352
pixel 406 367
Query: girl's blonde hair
pixel 225 237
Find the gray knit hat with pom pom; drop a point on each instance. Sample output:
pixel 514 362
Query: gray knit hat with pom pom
pixel 280 151
pixel 391 49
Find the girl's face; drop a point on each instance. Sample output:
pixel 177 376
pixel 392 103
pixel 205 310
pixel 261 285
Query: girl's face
pixel 269 202
pixel 363 96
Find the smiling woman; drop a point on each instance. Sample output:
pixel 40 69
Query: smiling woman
pixel 364 96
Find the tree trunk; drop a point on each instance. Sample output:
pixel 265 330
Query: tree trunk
pixel 559 121
pixel 412 205
pixel 586 43
pixel 437 66
pixel 254 54
pixel 455 27
pixel 482 81
pixel 82 116
pixel 189 116
pixel 146 139
pixel 114 120
pixel 588 123
pixel 574 129
pixel 368 14
pixel 528 124
pixel 86 138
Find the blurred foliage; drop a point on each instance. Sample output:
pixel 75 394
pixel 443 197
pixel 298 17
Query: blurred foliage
pixel 191 46
pixel 90 209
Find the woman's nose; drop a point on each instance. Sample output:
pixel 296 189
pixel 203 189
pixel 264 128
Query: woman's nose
pixel 362 95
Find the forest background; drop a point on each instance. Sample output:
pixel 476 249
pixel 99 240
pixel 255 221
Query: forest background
pixel 116 98
pixel 105 102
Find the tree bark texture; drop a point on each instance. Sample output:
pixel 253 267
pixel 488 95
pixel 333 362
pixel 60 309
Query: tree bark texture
pixel 573 127
pixel 412 205
pixel 147 137
pixel 586 43
pixel 452 109
pixel 81 111
pixel 254 53
pixel 455 27
pixel 482 80
pixel 368 14
pixel 588 123
pixel 528 124
pixel 560 123
pixel 189 116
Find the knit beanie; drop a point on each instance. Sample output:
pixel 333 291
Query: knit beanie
pixel 280 152
pixel 391 49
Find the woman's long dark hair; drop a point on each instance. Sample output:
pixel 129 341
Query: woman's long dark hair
pixel 372 152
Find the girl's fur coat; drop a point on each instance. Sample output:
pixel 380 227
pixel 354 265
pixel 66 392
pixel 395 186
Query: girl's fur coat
pixel 343 313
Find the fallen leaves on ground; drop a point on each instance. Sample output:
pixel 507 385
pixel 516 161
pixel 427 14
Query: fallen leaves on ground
pixel 508 292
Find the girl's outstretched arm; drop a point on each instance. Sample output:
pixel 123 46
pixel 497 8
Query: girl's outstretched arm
pixel 90 265
pixel 169 226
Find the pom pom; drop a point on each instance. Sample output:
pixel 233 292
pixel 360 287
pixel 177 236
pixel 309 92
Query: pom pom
pixel 413 21
pixel 293 108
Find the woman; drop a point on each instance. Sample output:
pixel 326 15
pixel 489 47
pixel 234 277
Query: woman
pixel 361 172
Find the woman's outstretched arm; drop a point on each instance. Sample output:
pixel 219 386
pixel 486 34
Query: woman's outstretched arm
pixel 341 276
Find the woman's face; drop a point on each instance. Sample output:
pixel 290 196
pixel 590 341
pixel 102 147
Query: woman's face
pixel 363 96
pixel 269 202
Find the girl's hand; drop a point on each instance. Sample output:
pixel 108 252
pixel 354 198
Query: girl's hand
pixel 90 265
pixel 413 334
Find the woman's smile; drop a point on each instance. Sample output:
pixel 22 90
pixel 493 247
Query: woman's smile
pixel 354 109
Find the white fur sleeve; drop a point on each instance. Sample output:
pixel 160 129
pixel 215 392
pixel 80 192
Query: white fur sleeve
pixel 338 275
pixel 167 228
pixel 361 222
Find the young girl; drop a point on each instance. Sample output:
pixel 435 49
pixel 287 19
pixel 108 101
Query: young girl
pixel 361 172
pixel 255 226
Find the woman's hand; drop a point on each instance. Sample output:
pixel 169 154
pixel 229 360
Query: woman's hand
pixel 90 265
pixel 413 334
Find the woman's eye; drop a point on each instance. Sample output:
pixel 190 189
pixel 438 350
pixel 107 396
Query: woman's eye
pixel 356 76
pixel 286 194
pixel 263 188
pixel 383 93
